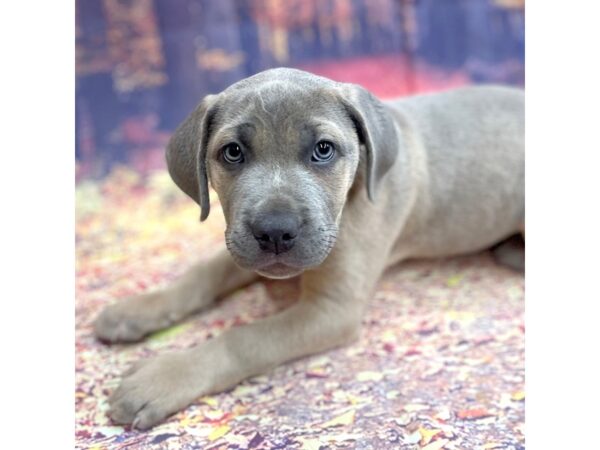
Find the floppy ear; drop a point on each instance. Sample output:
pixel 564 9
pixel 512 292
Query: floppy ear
pixel 186 154
pixel 376 131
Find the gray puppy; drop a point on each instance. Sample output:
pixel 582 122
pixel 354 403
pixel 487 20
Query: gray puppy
pixel 321 179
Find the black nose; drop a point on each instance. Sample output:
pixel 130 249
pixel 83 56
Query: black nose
pixel 276 231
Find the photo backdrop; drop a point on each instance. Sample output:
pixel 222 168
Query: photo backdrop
pixel 143 65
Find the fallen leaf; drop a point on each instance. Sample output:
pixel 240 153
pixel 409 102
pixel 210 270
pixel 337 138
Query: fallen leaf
pixel 169 332
pixel 518 396
pixel 492 445
pixel 211 401
pixel 403 419
pixel 317 372
pixel 218 432
pixel 243 390
pixel 427 435
pixel 354 400
pixel 454 280
pixel 216 417
pixel 436 445
pixel 345 419
pixel 473 414
pixel 412 352
pixel 369 376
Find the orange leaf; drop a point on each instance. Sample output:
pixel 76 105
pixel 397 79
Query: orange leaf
pixel 473 414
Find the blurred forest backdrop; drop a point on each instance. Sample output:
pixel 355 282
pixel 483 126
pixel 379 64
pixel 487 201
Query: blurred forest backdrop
pixel 143 65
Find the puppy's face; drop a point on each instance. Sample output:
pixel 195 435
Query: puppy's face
pixel 281 149
pixel 281 159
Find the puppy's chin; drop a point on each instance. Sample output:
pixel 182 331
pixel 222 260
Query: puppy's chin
pixel 279 271
pixel 285 265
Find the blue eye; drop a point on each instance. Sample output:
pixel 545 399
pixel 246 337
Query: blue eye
pixel 323 152
pixel 232 154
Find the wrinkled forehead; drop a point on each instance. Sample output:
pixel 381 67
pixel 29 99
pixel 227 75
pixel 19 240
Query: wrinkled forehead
pixel 274 102
pixel 279 113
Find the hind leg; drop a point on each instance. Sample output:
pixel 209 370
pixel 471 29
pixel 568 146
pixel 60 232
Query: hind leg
pixel 511 252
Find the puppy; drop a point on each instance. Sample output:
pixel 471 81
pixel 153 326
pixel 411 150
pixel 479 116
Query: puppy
pixel 321 179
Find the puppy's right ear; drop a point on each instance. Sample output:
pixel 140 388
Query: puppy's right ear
pixel 186 154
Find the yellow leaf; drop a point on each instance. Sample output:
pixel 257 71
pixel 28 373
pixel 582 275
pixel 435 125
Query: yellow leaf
pixel 436 445
pixel 169 332
pixel 454 280
pixel 518 396
pixel 352 399
pixel 184 422
pixel 369 376
pixel 427 435
pixel 345 419
pixel 218 432
pixel 210 401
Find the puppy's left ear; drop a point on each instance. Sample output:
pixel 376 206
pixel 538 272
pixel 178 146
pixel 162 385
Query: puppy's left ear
pixel 186 154
pixel 376 132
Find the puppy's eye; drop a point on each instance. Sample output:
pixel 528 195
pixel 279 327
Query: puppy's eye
pixel 232 154
pixel 323 152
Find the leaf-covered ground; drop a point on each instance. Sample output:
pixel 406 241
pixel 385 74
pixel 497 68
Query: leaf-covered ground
pixel 439 364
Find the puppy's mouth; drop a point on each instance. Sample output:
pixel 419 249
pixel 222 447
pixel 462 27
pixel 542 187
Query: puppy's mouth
pixel 279 271
pixel 304 255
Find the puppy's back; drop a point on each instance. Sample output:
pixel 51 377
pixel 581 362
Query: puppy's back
pixel 473 139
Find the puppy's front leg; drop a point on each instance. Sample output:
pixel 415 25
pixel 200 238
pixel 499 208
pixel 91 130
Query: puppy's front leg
pixel 321 319
pixel 131 319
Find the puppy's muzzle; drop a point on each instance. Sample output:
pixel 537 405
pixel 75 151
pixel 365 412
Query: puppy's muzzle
pixel 275 231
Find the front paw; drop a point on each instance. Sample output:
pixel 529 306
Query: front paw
pixel 154 389
pixel 132 319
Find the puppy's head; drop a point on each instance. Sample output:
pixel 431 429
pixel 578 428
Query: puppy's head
pixel 282 149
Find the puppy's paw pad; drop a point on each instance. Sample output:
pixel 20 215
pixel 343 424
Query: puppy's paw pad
pixel 113 326
pixel 125 410
pixel 123 322
pixel 153 389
